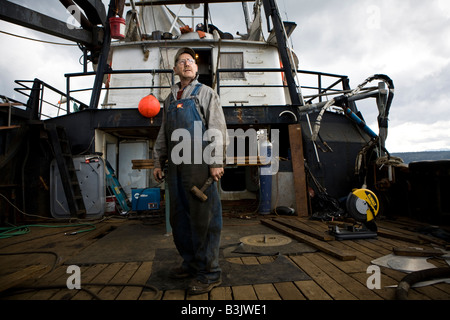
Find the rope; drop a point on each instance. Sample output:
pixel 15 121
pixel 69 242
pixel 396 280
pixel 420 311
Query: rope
pixel 388 161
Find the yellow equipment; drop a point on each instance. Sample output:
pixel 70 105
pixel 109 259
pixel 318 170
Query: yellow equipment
pixel 363 205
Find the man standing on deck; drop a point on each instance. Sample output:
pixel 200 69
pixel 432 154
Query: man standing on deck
pixel 196 225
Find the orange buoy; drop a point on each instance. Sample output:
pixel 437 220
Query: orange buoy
pixel 149 106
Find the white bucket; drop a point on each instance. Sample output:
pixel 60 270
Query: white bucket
pixel 110 205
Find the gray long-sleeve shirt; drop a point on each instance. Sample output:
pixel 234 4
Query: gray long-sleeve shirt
pixel 209 109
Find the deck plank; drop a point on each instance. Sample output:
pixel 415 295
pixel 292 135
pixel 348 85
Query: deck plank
pixel 103 277
pixel 385 292
pixel 288 291
pixel 140 277
pixel 312 291
pixel 444 287
pixel 265 259
pixel 326 282
pixel 199 297
pixel 88 273
pixel 221 293
pixel 245 292
pixel 355 287
pixel 331 277
pixel 58 276
pixel 298 225
pixel 347 245
pixel 353 266
pixel 318 244
pixel 250 260
pixel 20 276
pixel 433 292
pixel 358 247
pixel 266 291
pixel 123 276
pixel 176 294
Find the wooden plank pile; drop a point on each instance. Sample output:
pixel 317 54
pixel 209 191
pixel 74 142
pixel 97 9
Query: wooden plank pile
pixel 299 231
pixel 139 164
pixel 315 234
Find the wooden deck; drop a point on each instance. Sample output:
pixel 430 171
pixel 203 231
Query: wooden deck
pixel 37 260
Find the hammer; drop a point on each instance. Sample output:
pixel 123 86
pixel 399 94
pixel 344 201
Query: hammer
pixel 199 193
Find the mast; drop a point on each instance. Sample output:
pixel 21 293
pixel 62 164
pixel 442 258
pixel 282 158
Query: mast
pixel 271 10
pixel 102 63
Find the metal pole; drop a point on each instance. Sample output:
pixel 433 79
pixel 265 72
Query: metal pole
pixel 102 63
pixel 68 94
pixel 270 8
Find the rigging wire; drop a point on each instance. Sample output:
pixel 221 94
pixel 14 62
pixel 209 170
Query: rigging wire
pixel 290 49
pixel 38 40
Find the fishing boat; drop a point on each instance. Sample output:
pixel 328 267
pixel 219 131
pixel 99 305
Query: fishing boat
pixel 302 164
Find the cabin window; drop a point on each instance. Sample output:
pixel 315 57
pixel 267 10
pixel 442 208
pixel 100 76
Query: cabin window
pixel 232 60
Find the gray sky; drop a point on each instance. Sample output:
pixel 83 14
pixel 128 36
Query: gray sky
pixel 408 40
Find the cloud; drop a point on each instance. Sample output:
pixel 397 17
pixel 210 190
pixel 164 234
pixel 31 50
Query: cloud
pixel 405 39
pixel 26 60
pixel 413 136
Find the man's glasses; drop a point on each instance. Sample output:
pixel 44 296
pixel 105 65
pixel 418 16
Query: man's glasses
pixel 185 61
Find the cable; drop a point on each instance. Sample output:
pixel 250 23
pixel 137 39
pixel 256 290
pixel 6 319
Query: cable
pixel 24 213
pixel 42 217
pixel 57 258
pixel 93 294
pixel 37 40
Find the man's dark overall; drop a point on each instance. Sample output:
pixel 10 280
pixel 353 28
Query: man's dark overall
pixel 196 225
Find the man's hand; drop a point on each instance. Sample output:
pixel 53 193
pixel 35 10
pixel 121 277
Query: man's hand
pixel 216 173
pixel 157 174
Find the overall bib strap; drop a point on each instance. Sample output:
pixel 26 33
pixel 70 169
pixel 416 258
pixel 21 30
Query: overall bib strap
pixel 196 89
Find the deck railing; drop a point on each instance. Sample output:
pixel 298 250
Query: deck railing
pixel 339 84
pixel 49 101
pixel 321 92
pixel 154 72
pixel 53 102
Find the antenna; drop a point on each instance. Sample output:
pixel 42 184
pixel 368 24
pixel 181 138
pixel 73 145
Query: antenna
pixel 192 6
